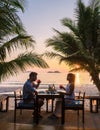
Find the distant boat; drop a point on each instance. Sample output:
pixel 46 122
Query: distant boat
pixel 53 71
pixel 27 71
pixel 57 71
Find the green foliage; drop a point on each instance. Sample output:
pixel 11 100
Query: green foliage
pixel 80 46
pixel 13 39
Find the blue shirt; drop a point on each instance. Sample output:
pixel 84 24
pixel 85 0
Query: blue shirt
pixel 28 90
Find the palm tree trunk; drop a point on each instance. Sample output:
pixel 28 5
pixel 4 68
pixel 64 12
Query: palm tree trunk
pixel 95 78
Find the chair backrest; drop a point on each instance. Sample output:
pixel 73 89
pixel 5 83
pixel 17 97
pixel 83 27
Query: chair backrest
pixel 81 95
pixel 17 95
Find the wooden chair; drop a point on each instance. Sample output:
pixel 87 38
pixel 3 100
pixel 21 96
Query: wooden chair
pixel 77 105
pixel 20 104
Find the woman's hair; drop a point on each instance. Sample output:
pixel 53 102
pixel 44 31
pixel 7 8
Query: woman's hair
pixel 72 76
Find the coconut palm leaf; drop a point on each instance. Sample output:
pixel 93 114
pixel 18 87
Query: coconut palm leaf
pixel 82 44
pixel 20 64
pixel 17 4
pixel 9 18
pixel 13 38
pixel 13 44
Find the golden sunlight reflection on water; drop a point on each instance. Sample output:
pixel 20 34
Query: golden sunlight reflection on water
pixel 77 81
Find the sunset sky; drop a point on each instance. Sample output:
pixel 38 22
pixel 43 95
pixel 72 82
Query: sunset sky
pixel 41 16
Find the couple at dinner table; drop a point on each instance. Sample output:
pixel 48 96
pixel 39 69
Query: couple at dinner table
pixel 30 90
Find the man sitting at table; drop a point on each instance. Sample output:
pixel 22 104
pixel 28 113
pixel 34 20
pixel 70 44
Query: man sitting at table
pixel 29 90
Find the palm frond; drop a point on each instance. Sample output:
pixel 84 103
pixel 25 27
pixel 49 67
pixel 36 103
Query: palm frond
pixel 13 36
pixel 71 25
pixel 20 64
pixel 19 41
pixel 17 4
pixel 9 19
pixel 82 44
pixel 51 55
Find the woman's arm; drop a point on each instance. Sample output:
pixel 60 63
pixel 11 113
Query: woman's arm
pixel 62 87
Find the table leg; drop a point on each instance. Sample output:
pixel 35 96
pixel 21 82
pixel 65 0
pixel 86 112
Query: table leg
pixel 37 111
pixel 90 105
pixel 7 103
pixel 52 104
pixel 63 111
pixel 95 110
pixel 97 103
pixel 47 105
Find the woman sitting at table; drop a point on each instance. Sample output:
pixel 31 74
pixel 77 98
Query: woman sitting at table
pixel 69 96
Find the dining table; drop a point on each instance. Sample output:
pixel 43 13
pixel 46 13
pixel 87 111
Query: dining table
pixel 94 103
pixel 51 96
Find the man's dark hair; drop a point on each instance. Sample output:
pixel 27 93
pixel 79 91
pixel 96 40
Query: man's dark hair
pixel 32 74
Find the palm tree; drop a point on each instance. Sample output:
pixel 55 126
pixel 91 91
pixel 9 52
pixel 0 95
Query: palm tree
pixel 80 46
pixel 13 40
